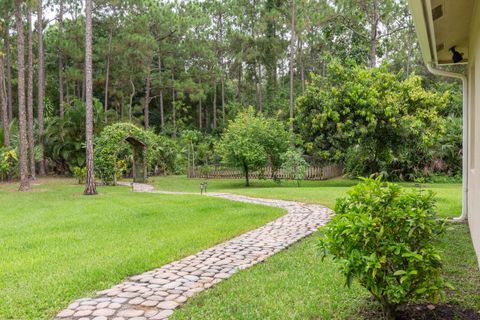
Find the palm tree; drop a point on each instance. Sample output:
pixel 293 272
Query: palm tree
pixel 90 188
pixel 22 119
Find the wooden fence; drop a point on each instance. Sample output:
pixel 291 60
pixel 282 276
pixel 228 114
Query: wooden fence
pixel 220 172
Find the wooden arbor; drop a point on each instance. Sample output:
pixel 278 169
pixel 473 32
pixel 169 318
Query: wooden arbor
pixel 139 160
pixel 117 140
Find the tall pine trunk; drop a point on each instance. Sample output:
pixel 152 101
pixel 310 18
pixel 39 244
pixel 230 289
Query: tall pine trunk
pixel 259 87
pixel 373 34
pixel 131 100
pixel 302 64
pixel 200 117
pixel 107 75
pixel 292 52
pixel 215 104
pixel 174 108
pixel 41 85
pixel 9 74
pixel 160 96
pixel 22 119
pixel 222 64
pixel 223 99
pixel 30 137
pixel 60 62
pixel 4 105
pixel 90 188
pixel 146 102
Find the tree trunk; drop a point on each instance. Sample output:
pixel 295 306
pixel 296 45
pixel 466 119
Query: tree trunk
pixel 174 109
pixel 4 105
pixel 373 34
pixel 31 144
pixel 247 180
pixel 388 309
pixel 90 188
pixel 302 64
pixel 259 88
pixel 107 76
pixel 60 62
pixel 131 100
pixel 146 102
pixel 22 139
pixel 9 76
pixel 207 118
pixel 292 50
pixel 222 64
pixel 215 104
pixel 223 99
pixel 41 85
pixel 83 86
pixel 200 120
pixel 162 111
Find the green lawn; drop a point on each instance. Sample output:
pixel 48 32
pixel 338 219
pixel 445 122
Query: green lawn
pixel 57 245
pixel 297 284
pixel 322 192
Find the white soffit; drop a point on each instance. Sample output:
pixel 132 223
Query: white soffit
pixel 451 27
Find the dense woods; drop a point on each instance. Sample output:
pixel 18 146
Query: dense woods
pixel 177 67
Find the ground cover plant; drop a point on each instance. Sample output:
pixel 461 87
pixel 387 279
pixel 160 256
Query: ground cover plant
pixel 57 245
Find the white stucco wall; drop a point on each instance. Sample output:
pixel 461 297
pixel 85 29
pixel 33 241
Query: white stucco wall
pixel 474 132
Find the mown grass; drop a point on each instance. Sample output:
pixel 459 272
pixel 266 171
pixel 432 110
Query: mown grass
pixel 321 192
pixel 57 245
pixel 297 284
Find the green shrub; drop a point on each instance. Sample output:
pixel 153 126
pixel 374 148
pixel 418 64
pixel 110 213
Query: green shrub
pixel 80 173
pixel 384 236
pixel 294 165
pixel 8 162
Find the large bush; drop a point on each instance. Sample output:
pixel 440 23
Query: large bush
pixel 384 236
pixel 253 141
pixel 65 137
pixel 374 120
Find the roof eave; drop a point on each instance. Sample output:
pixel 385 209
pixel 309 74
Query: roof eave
pixel 423 27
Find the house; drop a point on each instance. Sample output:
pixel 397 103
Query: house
pixel 449 33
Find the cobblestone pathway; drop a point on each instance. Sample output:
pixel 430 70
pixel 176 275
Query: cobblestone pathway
pixel 157 293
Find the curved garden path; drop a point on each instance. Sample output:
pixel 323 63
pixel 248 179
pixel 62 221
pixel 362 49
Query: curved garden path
pixel 157 293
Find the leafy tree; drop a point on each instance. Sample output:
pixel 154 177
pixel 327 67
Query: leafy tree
pixel 372 120
pixel 253 141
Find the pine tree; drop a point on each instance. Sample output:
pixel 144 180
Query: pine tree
pixel 22 119
pixel 90 188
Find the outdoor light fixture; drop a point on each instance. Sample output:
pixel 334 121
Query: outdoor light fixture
pixel 456 56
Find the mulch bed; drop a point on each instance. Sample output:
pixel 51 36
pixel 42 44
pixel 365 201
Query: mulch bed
pixel 428 312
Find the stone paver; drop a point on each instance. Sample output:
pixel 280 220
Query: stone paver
pixel 157 293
